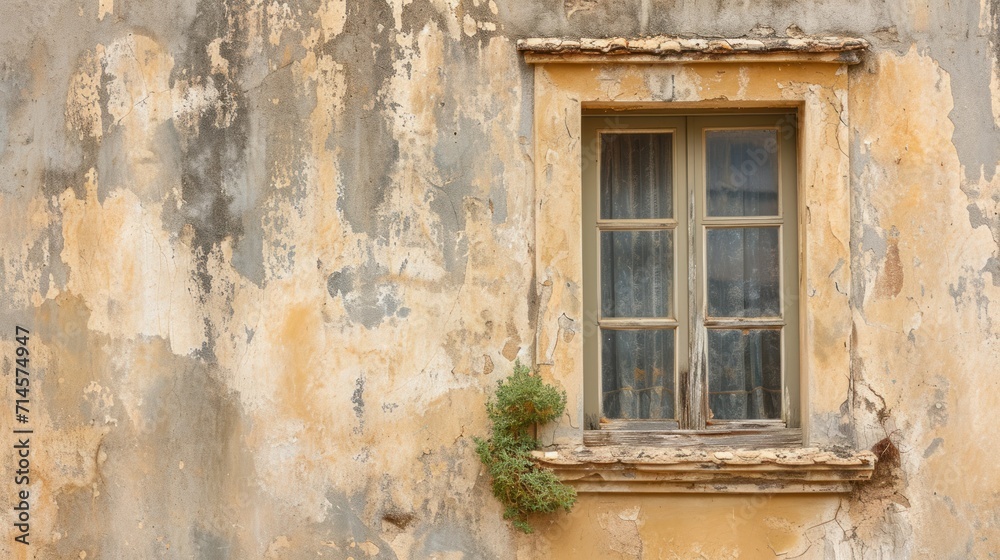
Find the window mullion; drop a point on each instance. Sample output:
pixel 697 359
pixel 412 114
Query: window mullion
pixel 682 261
pixel 696 393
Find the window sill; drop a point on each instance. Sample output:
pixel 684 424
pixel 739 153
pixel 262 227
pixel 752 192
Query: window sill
pixel 742 471
pixel 720 436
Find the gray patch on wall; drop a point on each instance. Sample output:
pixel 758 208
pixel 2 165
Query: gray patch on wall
pixel 358 397
pixel 369 153
pixel 190 439
pixel 465 164
pixel 935 443
pixel 367 296
pixel 345 528
pixel 208 545
pixel 368 150
pixel 960 45
pixel 452 540
pixel 498 195
pixel 213 152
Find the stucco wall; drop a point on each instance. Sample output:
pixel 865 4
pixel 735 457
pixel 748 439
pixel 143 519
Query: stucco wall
pixel 274 256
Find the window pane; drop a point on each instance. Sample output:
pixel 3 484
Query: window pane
pixel 636 273
pixel 636 175
pixel 744 374
pixel 742 172
pixel 637 374
pixel 743 272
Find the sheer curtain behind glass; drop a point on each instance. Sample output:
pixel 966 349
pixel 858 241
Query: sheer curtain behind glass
pixel 636 266
pixel 744 273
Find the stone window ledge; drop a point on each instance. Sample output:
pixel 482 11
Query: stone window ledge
pixel 844 50
pixel 664 470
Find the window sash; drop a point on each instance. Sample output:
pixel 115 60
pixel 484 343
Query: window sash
pixel 677 224
pixel 786 221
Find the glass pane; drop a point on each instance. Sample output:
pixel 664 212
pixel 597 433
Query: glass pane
pixel 744 374
pixel 744 272
pixel 636 273
pixel 637 374
pixel 742 172
pixel 636 175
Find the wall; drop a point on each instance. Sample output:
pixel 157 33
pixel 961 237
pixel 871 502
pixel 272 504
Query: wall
pixel 274 256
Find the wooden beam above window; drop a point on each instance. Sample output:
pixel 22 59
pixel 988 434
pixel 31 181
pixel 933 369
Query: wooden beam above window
pixel 666 49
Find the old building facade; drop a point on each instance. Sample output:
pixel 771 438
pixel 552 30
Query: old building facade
pixel 270 259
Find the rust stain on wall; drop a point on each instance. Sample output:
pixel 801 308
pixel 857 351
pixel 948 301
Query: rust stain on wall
pixel 890 279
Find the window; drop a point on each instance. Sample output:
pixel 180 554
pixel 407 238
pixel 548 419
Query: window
pixel 698 91
pixel 683 97
pixel 690 271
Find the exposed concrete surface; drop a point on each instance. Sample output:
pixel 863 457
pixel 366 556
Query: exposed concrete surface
pixel 274 255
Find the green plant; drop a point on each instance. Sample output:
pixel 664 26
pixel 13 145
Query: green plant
pixel 522 401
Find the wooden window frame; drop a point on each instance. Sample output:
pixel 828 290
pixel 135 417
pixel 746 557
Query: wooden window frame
pixel 690 223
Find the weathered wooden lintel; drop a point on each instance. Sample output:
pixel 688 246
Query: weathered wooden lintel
pixel 648 50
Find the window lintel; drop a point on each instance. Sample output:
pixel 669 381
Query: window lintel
pixel 670 49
